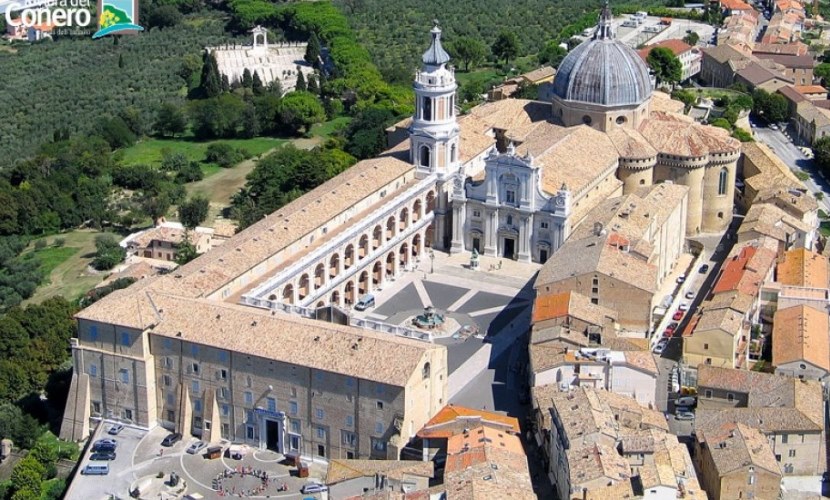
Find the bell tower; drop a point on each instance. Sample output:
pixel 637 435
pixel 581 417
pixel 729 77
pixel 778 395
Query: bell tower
pixel 434 130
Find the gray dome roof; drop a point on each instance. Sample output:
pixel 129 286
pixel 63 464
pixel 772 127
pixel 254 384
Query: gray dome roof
pixel 603 71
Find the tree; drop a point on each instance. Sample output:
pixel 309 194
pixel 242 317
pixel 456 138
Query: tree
pixel 173 162
pixel 770 107
pixel 170 120
pixel 312 50
pixel 301 85
pixel 470 51
pixel 20 427
pixel 155 205
pixel 821 150
pixel 691 38
pixel 108 253
pixel 185 251
pixel 219 116
pixel 506 46
pixel 193 211
pixel 247 79
pixel 300 110
pixel 665 65
pixel 256 85
pixel 28 475
pixel 115 132
pixel 211 78
pixel 823 71
pixel 223 154
pixel 164 16
pixel 551 54
pixel 312 84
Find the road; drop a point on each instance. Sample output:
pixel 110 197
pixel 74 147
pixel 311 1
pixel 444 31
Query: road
pixel 795 159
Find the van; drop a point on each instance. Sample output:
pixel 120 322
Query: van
pixel 689 401
pixel 365 302
pixel 96 470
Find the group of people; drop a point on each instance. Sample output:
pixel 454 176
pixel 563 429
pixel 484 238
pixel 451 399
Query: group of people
pixel 242 472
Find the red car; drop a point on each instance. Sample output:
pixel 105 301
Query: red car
pixel 678 315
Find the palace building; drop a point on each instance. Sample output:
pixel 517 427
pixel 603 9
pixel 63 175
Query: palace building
pixel 250 342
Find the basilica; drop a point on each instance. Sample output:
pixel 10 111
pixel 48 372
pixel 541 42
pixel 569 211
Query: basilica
pixel 516 176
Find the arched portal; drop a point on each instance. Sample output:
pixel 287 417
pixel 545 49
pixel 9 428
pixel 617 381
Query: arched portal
pixel 334 265
pixel 363 283
pixel 377 274
pixel 377 237
pixel 416 245
pixel 304 286
pixel 348 256
pixel 390 265
pixel 335 298
pixel 320 303
pixel 363 247
pixel 430 201
pixel 403 219
pixel 403 255
pixel 417 211
pixel 390 228
pixel 319 276
pixel 348 293
pixel 288 294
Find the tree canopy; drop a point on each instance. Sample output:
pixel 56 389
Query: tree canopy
pixel 665 65
pixel 506 46
pixel 468 50
pixel 193 211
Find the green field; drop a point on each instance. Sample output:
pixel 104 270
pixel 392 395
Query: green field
pixel 149 152
pixel 51 257
pixel 328 128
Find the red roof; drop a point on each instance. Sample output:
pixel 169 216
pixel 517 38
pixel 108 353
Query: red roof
pixel 551 306
pixel 733 270
pixel 438 426
pixel 735 5
pixel 676 46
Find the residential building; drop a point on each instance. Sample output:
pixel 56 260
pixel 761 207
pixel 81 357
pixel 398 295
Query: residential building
pixel 801 278
pixel 538 76
pixel 789 412
pixel 735 461
pixel 812 92
pixel 719 65
pixel 797 48
pixel 734 7
pixel 801 342
pixel 763 171
pixel 795 68
pixel 765 220
pixel 162 242
pixel 598 444
pixel 690 57
pixel 755 76
pixel 354 478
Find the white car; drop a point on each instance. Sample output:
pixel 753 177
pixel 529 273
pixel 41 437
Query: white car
pixel 196 447
pixel 684 306
pixel 313 488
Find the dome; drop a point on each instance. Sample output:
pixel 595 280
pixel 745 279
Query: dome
pixel 603 71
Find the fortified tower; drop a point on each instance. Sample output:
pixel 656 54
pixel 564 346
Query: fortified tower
pixel 434 133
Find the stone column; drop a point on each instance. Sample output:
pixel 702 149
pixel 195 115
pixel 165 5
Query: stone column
pixel 490 229
pixel 525 234
pixel 458 222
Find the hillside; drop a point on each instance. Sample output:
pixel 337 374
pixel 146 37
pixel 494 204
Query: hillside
pixel 395 31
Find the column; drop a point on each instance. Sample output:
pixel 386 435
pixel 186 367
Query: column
pixel 459 220
pixel 490 232
pixel 525 236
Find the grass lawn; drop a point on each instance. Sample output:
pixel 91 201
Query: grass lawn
pixel 326 129
pixel 478 75
pixel 67 266
pixel 71 449
pixel 149 152
pixel 824 228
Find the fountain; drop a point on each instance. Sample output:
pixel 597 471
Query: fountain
pixel 429 319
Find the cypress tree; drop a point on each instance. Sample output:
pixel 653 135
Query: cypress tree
pixel 120 61
pixel 256 85
pixel 312 84
pixel 211 80
pixel 226 85
pixel 247 80
pixel 301 85
pixel 312 50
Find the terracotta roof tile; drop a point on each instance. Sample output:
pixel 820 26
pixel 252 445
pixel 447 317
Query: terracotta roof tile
pixel 800 334
pixel 801 267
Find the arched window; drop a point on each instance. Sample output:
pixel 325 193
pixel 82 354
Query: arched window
pixel 427 109
pixel 509 220
pixel 426 371
pixel 722 178
pixel 452 154
pixel 425 156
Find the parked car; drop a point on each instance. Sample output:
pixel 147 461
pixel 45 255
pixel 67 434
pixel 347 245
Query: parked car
pixel 103 448
pixel 105 442
pixel 313 488
pixel 684 306
pixel 115 429
pixel 196 447
pixel 102 455
pixel 684 415
pixel 661 346
pixel 96 470
pixel 678 315
pixel 773 126
pixel 690 294
pixel 681 278
pixel 704 269
pixel 365 302
pixel 171 439
pixel 688 401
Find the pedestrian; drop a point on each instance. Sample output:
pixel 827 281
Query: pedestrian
pixel 161 452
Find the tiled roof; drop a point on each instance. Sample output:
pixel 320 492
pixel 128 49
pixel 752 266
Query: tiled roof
pixel 800 334
pixel 764 219
pixel 791 94
pixel 735 5
pixel 791 61
pixel 756 74
pixel 724 53
pixel 746 267
pixel 794 48
pixel 291 339
pixel 631 144
pixel 810 89
pixel 675 45
pixel 573 304
pixel 771 171
pixel 597 461
pixel 443 424
pixel 342 470
pixel 679 135
pixel 801 267
pixel 644 360
pixel 539 74
pixel 734 446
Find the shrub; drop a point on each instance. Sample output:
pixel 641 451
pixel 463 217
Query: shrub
pixel 59 242
pixel 40 244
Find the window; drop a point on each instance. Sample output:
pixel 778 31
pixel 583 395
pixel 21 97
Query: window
pixel 167 380
pixel 545 224
pixel 249 432
pixel 197 405
pixel 293 407
pixel 425 371
pixel 168 362
pixel 296 426
pixel 751 479
pixel 425 156
pixel 785 438
pixel 730 397
pixel 194 368
pixel 708 393
pixel 792 453
pixel 207 425
pixel 197 422
pixel 226 431
pixel 510 197
pixel 171 416
pixel 509 220
pixel 708 361
pixel 426 109
pixel 722 178
pixel 249 416
pixel 706 347
pixel 223 374
pixel 249 398
pixel 171 399
pixel 378 427
pixel 248 381
pixel 321 450
pixel 378 445
pixel 586 120
pixel 226 410
pixel 194 387
pixel 222 393
pixel 294 443
pixel 93 371
pixel 476 213
pixel 93 333
pixel 379 405
pixel 321 432
pixel 452 152
pixel 124 375
pixel 320 414
pixel 96 407
pixel 272 404
pixel 125 338
pixel 293 392
pixel 128 414
pixel 349 421
pixel 620 120
pixel 348 438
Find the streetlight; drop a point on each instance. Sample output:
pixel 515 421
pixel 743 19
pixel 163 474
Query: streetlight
pixel 431 261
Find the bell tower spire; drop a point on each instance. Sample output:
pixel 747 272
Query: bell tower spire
pixel 434 130
pixel 605 27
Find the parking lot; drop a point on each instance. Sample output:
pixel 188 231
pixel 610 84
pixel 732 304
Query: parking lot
pixel 140 459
